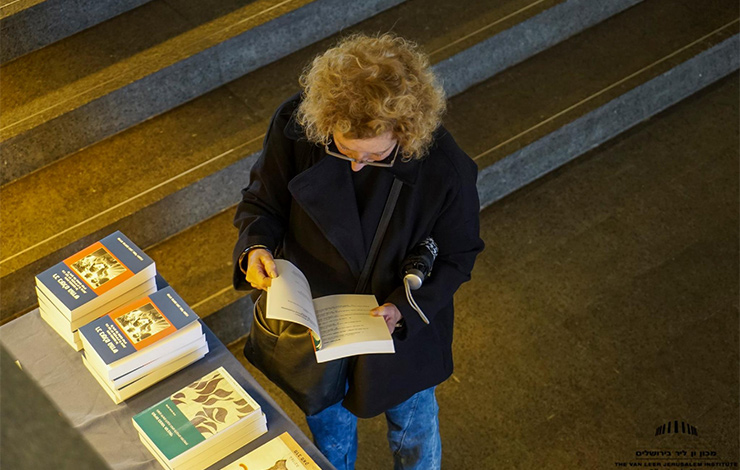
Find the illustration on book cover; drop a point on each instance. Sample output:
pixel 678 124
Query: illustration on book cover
pixel 211 404
pixel 98 267
pixel 142 322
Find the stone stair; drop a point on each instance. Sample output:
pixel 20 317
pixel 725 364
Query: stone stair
pixel 533 84
pixel 110 77
pixel 29 25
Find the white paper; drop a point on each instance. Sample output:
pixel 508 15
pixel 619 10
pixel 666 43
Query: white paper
pixel 289 297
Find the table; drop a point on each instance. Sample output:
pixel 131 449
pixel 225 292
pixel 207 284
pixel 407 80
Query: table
pixel 59 371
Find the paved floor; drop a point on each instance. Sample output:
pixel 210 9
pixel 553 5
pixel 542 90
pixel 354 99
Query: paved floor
pixel 605 305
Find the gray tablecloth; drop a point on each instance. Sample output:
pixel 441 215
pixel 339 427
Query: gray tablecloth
pixel 59 371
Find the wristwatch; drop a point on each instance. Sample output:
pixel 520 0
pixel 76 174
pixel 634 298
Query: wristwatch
pixel 246 252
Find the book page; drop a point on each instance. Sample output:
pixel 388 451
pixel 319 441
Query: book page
pixel 346 319
pixel 289 297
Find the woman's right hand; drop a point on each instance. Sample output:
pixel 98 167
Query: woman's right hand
pixel 261 268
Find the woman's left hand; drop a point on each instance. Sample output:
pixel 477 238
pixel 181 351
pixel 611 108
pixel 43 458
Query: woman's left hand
pixel 390 314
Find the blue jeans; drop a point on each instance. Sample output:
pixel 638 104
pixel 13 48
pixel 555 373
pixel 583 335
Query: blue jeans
pixel 413 434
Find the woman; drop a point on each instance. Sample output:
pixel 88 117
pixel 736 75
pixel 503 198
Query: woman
pixel 369 113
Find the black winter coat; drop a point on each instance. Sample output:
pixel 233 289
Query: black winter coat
pixel 302 203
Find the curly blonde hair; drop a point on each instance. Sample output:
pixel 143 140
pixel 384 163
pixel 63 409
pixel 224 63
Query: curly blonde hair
pixel 366 86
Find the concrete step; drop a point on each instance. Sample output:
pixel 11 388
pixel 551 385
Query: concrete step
pixel 92 85
pixel 173 171
pixel 535 117
pixel 29 25
pixel 12 7
pixel 596 63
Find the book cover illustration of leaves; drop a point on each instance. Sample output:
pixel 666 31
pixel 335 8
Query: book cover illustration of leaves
pixel 211 404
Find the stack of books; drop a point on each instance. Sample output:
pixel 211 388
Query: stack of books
pixel 283 452
pixel 141 343
pixel 201 424
pixel 91 283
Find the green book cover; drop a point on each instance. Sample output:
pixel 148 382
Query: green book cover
pixel 196 413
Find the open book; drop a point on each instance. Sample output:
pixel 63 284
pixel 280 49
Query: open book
pixel 341 325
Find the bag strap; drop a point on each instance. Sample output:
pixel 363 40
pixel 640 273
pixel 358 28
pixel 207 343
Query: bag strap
pixel 390 205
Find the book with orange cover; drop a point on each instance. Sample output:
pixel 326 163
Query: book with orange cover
pixel 139 332
pixel 93 278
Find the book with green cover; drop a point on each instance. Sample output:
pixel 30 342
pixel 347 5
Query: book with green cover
pixel 196 419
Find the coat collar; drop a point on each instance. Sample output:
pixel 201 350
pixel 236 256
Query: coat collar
pixel 326 193
pixel 407 172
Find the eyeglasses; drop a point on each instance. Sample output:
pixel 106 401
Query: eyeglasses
pixel 382 163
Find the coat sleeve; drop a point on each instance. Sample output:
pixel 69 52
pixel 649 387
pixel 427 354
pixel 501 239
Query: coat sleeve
pixel 262 214
pixel 457 234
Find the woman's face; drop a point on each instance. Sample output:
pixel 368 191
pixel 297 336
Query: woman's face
pixel 373 149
